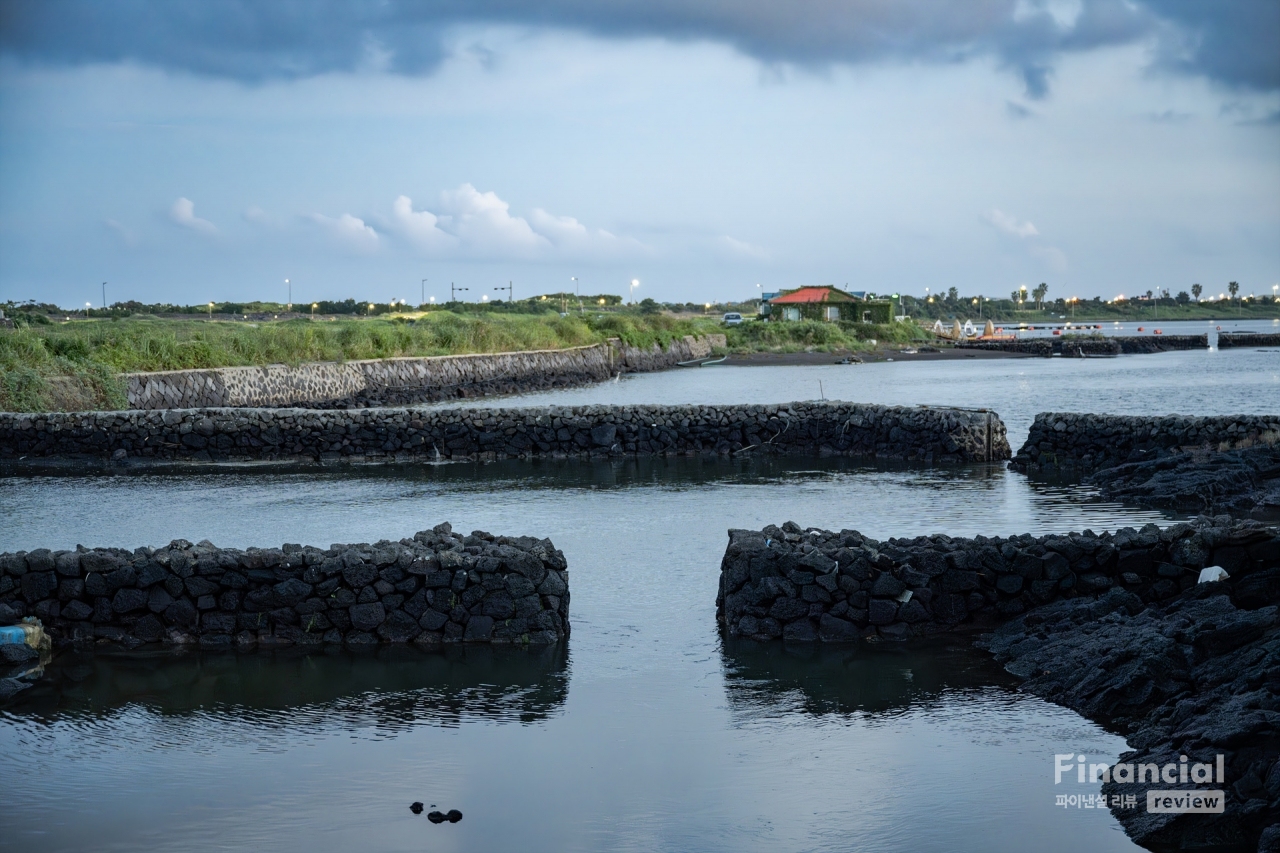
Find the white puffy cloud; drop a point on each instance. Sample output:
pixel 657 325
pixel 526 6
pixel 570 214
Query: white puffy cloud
pixel 349 230
pixel 468 222
pixel 122 231
pixel 183 212
pixel 484 222
pixel 1010 225
pixel 420 226
pixel 742 248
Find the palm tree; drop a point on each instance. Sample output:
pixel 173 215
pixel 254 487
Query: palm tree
pixel 1233 288
pixel 1196 290
pixel 1039 293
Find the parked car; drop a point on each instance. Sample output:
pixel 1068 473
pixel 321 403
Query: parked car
pixel 733 318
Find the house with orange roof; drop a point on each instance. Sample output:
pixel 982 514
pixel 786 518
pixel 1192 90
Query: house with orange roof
pixel 827 302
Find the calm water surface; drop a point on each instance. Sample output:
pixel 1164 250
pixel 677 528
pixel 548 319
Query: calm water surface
pixel 647 730
pixel 1193 382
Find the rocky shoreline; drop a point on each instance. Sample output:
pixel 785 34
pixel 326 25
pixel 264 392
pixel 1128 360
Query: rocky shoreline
pixel 435 588
pixel 1213 464
pixel 1244 481
pixel 1197 676
pixel 1115 626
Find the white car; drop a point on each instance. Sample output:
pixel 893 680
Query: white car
pixel 733 318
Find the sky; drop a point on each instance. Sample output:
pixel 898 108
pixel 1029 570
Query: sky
pixel 708 149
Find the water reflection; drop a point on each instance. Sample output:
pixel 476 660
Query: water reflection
pixel 387 690
pixel 777 679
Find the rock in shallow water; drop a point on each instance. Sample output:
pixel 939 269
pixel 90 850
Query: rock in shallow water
pixel 1197 676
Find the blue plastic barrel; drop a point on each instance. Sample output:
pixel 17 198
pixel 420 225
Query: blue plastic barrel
pixel 12 635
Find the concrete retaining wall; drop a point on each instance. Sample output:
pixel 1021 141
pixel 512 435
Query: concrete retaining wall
pixel 437 587
pixel 815 585
pixel 403 435
pixel 402 380
pixel 1087 442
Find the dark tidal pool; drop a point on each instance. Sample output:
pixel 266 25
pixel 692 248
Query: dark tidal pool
pixel 646 731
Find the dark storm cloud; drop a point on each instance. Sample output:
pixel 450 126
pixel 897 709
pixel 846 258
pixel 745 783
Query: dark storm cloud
pixel 1233 42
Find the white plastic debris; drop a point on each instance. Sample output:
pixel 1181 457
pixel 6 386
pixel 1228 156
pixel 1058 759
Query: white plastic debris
pixel 1213 573
pixel 905 597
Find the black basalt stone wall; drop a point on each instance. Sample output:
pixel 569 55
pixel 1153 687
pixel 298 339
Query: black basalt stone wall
pixel 437 587
pixel 1087 442
pixel 1248 339
pixel 816 585
pixel 1161 343
pixel 402 435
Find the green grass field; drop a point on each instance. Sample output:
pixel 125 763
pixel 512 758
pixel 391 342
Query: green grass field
pixel 62 366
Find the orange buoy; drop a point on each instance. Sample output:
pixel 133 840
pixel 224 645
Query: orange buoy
pixel 1218 328
pixel 1157 332
pixel 1057 331
pixel 1142 328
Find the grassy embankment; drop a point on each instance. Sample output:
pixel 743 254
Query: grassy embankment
pixel 75 365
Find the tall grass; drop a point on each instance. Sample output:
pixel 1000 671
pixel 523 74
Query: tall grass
pixel 75 365
pixel 814 335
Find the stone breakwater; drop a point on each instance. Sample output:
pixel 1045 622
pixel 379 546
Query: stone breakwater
pixel 406 435
pixel 1161 343
pixel 1114 626
pixel 1248 339
pixel 402 381
pixel 437 587
pixel 1090 346
pixel 1087 442
pixel 1197 675
pixel 816 585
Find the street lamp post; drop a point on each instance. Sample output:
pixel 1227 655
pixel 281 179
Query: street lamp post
pixel 314 306
pixel 635 282
pixel 210 310
pixel 510 297
pixel 423 300
pixel 87 306
pixel 288 284
pixel 104 296
pixel 454 290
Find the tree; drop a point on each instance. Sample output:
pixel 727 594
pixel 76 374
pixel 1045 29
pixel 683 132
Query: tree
pixel 1233 288
pixel 1013 297
pixel 952 294
pixel 1196 290
pixel 1040 292
pixel 1183 298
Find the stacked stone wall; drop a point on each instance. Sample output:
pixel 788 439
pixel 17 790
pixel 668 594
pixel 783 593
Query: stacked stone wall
pixel 437 587
pixel 1088 442
pixel 403 380
pixel 1248 339
pixel 816 585
pixel 405 435
pixel 1162 343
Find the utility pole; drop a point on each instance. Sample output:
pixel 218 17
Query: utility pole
pixel 453 291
